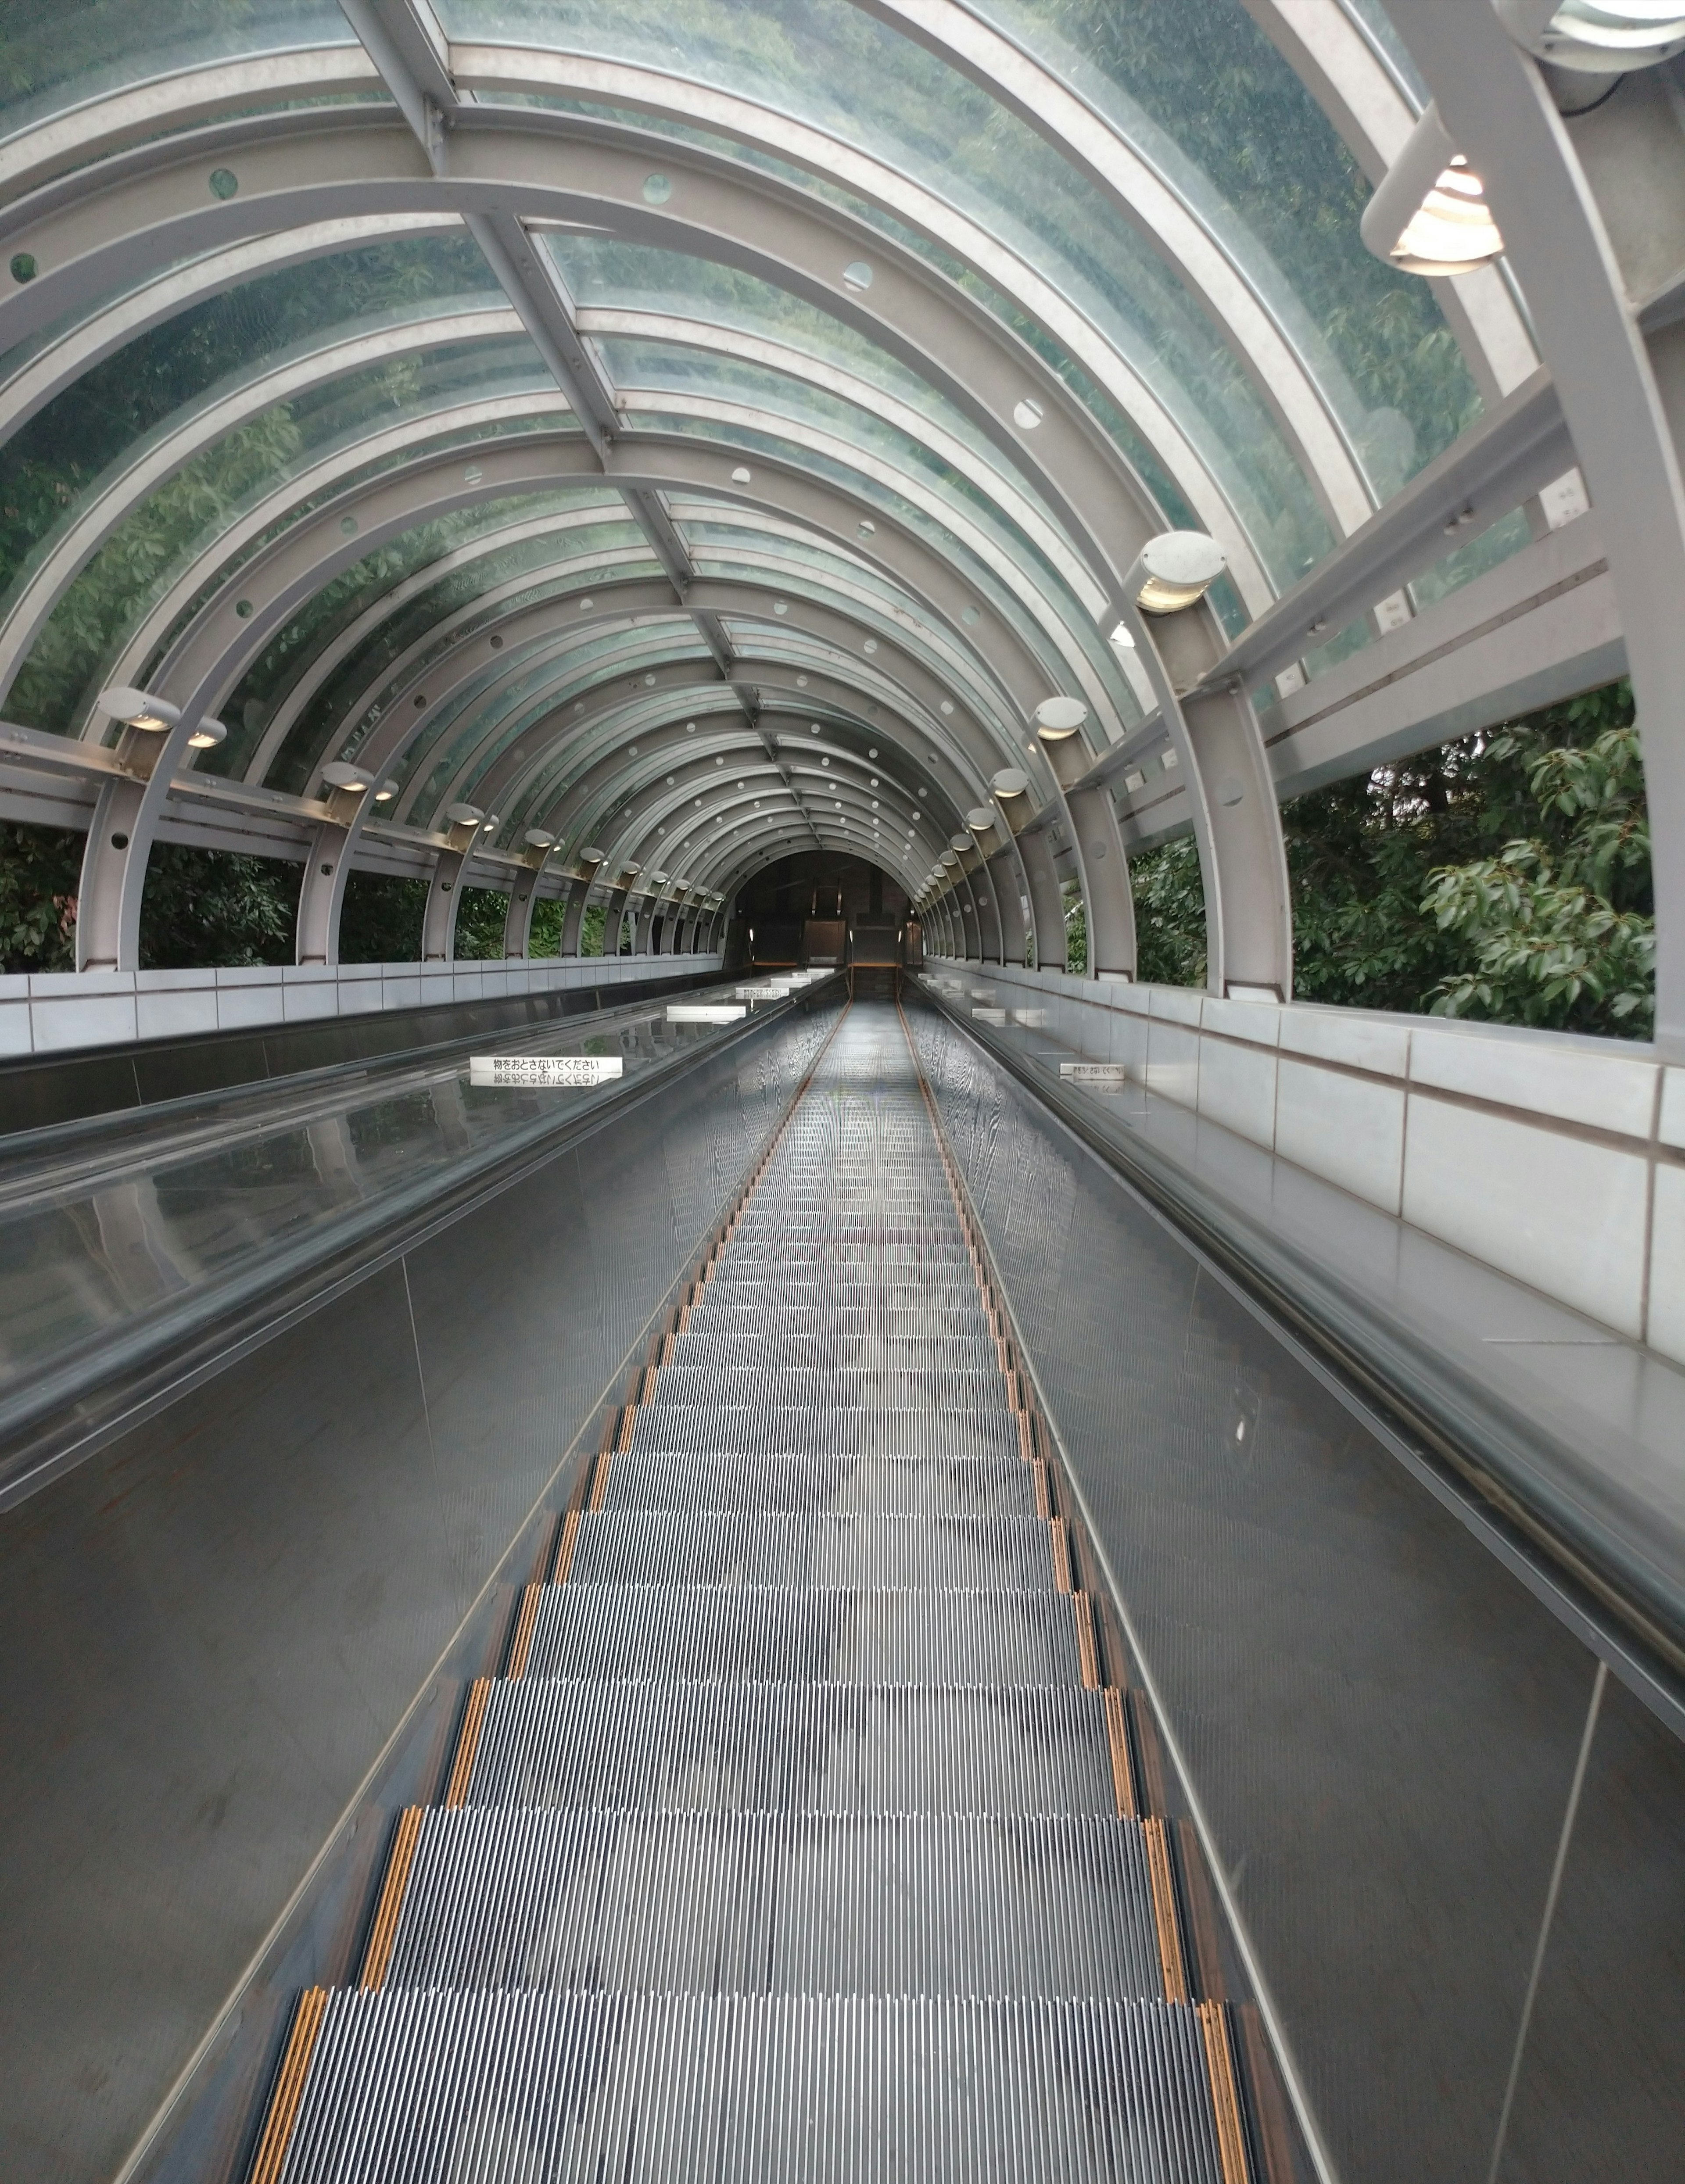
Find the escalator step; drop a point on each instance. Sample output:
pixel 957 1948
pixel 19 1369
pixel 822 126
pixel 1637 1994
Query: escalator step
pixel 828 1349
pixel 780 1903
pixel 841 1387
pixel 794 1429
pixel 781 1485
pixel 443 2088
pixel 793 1747
pixel 776 1634
pixel 954 1554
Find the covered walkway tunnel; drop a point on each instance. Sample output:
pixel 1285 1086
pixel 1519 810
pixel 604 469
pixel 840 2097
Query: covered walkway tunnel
pixel 694 1482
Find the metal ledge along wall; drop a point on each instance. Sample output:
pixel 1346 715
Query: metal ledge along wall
pixel 1395 1748
pixel 209 1630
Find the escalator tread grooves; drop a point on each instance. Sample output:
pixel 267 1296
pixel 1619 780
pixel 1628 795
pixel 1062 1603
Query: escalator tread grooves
pixel 804 1835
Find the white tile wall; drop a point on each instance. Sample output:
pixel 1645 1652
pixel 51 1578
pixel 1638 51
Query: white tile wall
pixel 1667 1263
pixel 1345 1128
pixel 1566 1215
pixel 1349 1096
pixel 53 1012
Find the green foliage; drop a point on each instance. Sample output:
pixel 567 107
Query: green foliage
pixel 41 871
pixel 1076 929
pixel 379 920
pixel 1506 877
pixel 1169 914
pixel 207 907
pixel 591 928
pixel 480 917
pixel 1557 920
pixel 544 936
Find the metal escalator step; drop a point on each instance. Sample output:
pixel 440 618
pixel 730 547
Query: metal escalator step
pixel 537 2088
pixel 778 1633
pixel 780 1903
pixel 793 1748
pixel 953 1553
pixel 839 1387
pixel 717 1311
pixel 824 1349
pixel 780 1485
pixel 792 1430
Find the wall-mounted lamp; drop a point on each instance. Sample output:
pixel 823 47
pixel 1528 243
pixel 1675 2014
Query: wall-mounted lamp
pixel 341 776
pixel 386 792
pixel 535 838
pixel 139 708
pixel 1598 38
pixel 1174 570
pixel 464 814
pixel 1429 214
pixel 590 856
pixel 207 736
pixel 1056 718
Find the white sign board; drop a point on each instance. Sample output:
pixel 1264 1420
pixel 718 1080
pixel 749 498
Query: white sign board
pixel 1094 1072
pixel 513 1069
pixel 990 1016
pixel 713 1012
pixel 763 993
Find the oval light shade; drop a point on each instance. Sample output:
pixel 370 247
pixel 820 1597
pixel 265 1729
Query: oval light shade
pixel 341 776
pixel 386 792
pixel 1056 718
pixel 207 736
pixel 1010 782
pixel 535 838
pixel 980 819
pixel 590 856
pixel 1597 37
pixel 464 814
pixel 139 708
pixel 1177 568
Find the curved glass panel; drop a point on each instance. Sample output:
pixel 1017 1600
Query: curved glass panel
pixel 1224 119
pixel 477 726
pixel 824 63
pixel 130 397
pixel 336 608
pixel 55 53
pixel 421 622
pixel 1144 457
pixel 1012 567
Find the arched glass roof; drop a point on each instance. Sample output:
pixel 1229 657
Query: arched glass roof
pixel 549 407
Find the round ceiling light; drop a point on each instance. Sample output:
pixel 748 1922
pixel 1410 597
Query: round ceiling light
pixel 1056 718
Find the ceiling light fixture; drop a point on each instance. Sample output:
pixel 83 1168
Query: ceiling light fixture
pixel 139 708
pixel 341 776
pixel 1429 214
pixel 1056 718
pixel 1174 570
pixel 1597 37
pixel 209 733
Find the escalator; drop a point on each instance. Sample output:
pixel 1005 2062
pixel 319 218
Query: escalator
pixel 811 1827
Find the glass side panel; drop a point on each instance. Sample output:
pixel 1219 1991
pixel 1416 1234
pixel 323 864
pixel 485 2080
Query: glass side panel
pixel 153 550
pixel 1224 119
pixel 824 63
pixel 54 53
pixel 239 1186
